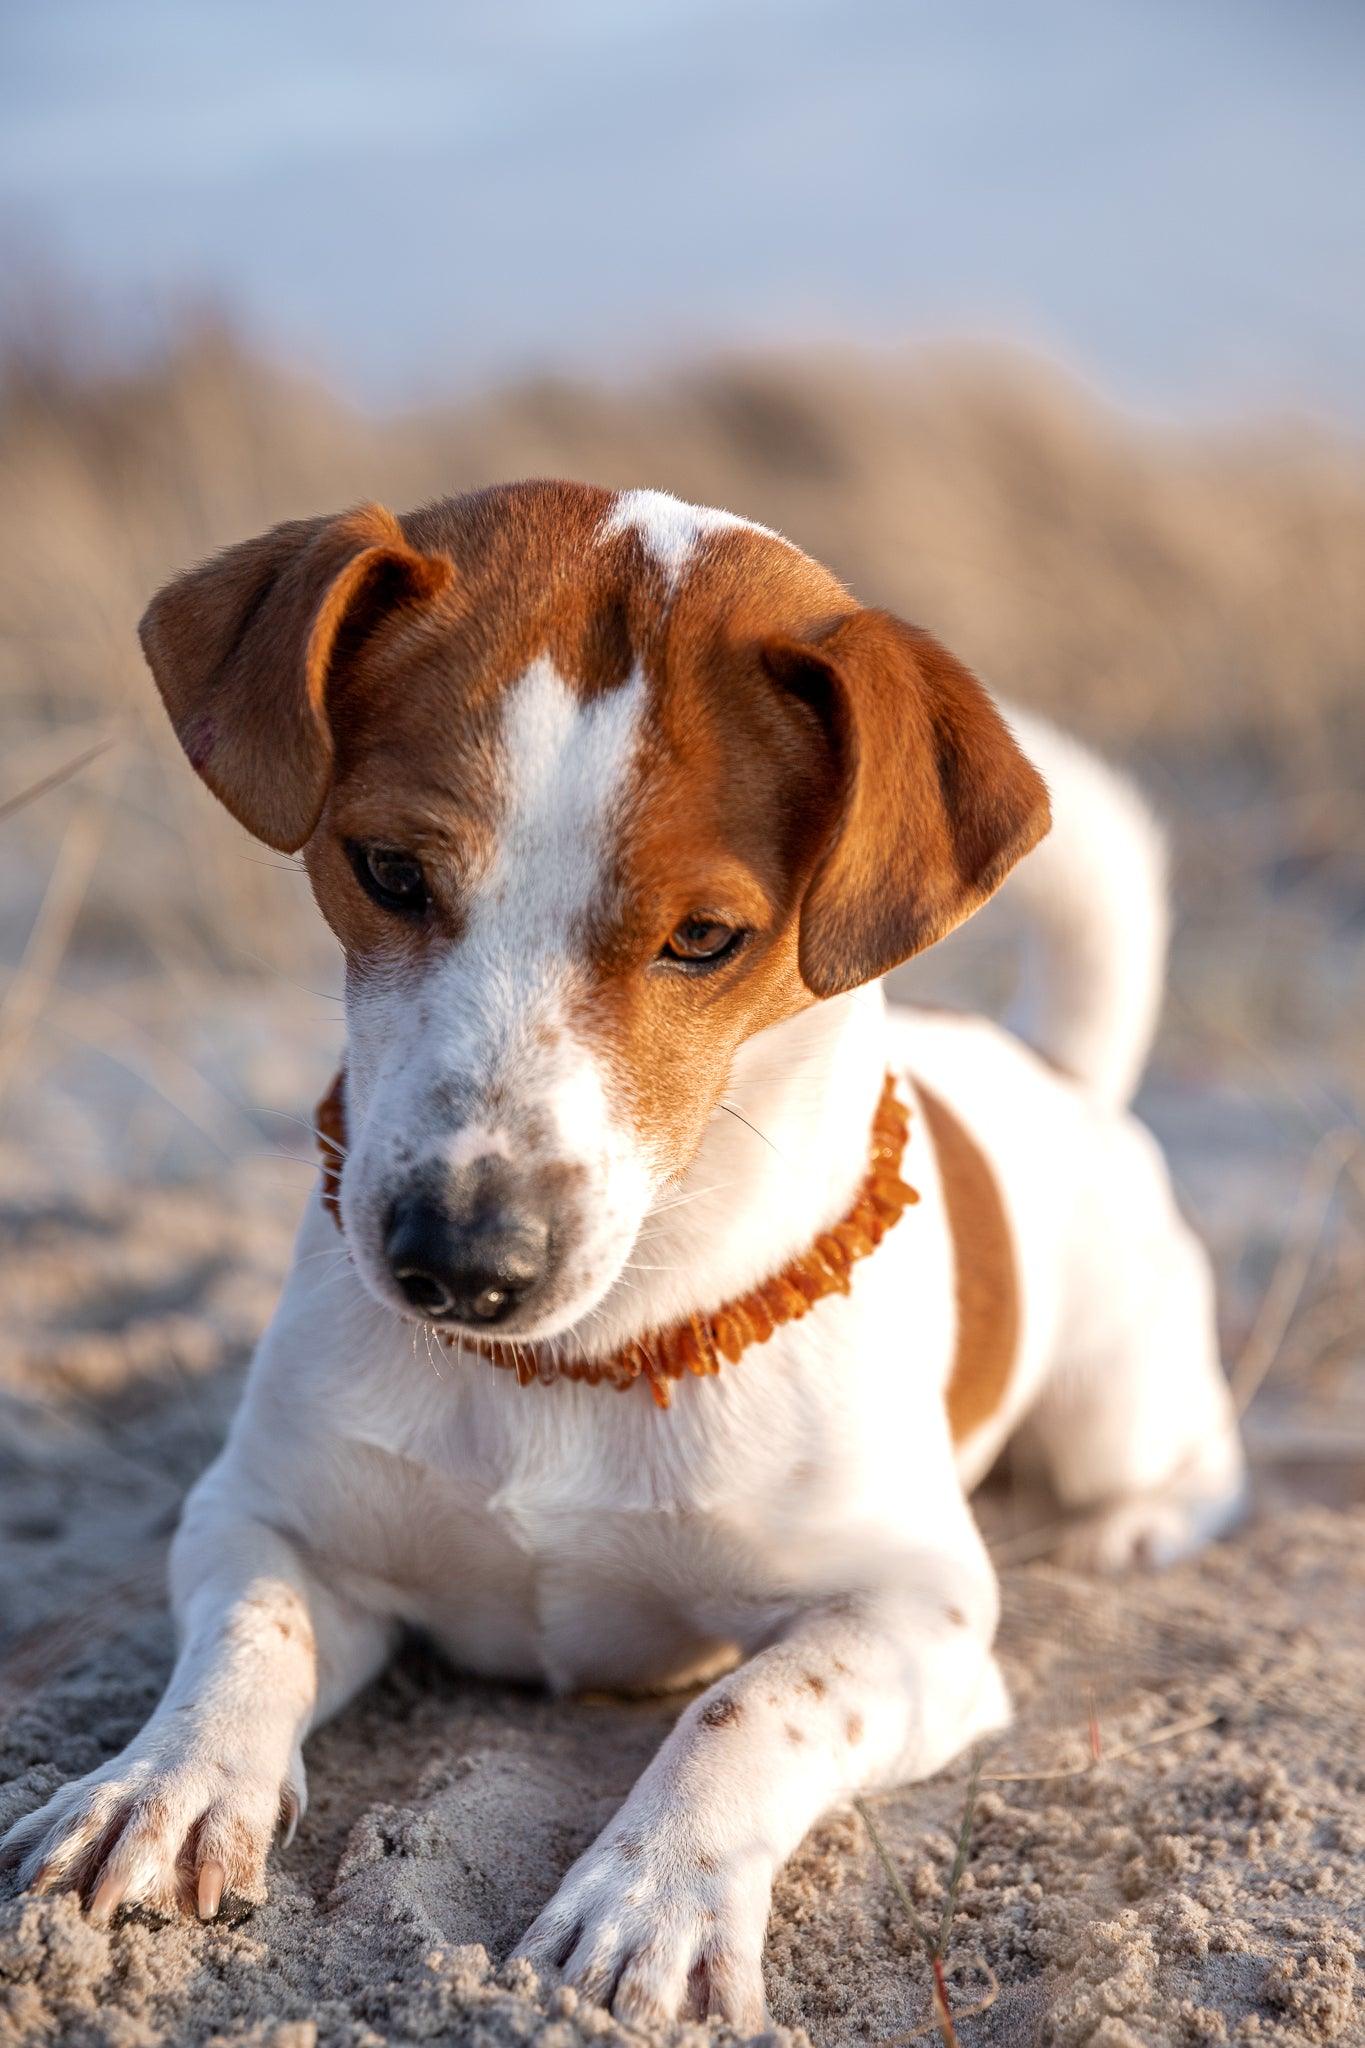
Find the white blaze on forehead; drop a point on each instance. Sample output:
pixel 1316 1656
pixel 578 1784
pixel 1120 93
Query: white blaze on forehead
pixel 482 1056
pixel 671 529
pixel 566 767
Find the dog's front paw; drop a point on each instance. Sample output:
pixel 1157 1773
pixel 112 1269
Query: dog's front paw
pixel 178 1819
pixel 654 1925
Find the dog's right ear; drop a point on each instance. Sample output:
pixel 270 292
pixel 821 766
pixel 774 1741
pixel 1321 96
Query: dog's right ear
pixel 245 648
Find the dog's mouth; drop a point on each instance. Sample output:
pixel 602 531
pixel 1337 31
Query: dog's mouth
pixel 497 1319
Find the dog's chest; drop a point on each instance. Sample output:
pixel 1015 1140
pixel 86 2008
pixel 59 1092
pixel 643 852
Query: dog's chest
pixel 575 1535
pixel 621 1600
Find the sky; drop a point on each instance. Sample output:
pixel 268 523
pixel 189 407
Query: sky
pixel 420 196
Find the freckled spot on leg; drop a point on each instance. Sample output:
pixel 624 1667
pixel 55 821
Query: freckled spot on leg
pixel 793 1733
pixel 628 1847
pixel 853 1727
pixel 841 1667
pixel 721 1712
pixel 706 1864
pixel 812 1682
pixel 956 1616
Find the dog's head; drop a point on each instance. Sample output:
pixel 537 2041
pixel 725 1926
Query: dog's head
pixel 591 788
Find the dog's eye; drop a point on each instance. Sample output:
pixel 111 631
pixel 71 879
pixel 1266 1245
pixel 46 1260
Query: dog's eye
pixel 395 880
pixel 701 942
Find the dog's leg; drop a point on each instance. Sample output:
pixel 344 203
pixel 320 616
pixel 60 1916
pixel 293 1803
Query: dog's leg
pixel 1135 1427
pixel 666 1912
pixel 188 1810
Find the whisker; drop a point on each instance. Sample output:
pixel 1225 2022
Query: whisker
pixel 431 1359
pixel 306 1124
pixel 330 1281
pixel 693 1195
pixel 730 1110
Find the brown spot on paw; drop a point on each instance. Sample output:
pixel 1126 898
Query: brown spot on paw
pixel 956 1616
pixel 793 1733
pixel 853 1728
pixel 721 1712
pixel 812 1682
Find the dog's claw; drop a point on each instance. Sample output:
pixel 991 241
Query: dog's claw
pixel 211 1879
pixel 107 1899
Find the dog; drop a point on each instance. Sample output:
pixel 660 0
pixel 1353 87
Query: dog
pixel 666 1295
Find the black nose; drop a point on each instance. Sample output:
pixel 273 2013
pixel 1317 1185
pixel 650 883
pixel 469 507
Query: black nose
pixel 466 1270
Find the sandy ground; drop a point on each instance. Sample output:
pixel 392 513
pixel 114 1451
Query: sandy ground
pixel 1205 1887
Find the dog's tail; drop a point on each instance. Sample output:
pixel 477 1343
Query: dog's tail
pixel 1094 893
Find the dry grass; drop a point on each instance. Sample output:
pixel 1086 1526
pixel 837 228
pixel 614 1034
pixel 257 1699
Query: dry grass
pixel 935 1940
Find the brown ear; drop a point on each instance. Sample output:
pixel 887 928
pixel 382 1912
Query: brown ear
pixel 936 802
pixel 244 647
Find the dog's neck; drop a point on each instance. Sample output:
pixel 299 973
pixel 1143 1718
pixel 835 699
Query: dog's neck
pixel 780 1161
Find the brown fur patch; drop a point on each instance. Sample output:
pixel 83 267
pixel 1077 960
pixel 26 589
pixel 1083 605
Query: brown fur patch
pixel 936 804
pixel 721 1712
pixel 853 1728
pixel 985 1272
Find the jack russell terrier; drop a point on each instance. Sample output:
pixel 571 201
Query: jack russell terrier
pixel 620 809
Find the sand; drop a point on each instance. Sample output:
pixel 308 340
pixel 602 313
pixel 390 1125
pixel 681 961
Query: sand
pixel 1205 1887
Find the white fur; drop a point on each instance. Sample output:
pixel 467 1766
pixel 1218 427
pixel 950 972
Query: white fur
pixel 491 1020
pixel 1095 891
pixel 805 1512
pixel 670 529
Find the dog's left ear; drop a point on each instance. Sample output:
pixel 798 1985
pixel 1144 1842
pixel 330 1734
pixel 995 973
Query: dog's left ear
pixel 935 801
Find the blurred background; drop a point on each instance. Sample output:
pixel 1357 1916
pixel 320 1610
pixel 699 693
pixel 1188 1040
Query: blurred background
pixel 1044 326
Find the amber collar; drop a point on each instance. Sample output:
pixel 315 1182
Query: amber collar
pixel 699 1344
